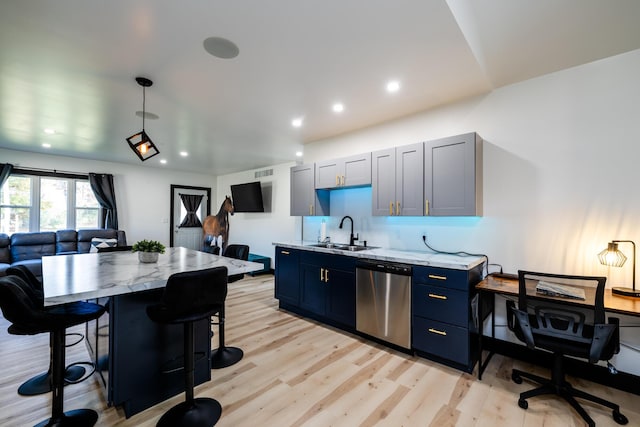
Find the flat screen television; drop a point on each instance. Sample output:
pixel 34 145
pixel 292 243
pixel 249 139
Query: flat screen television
pixel 247 197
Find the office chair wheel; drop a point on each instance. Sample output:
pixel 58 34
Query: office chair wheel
pixel 516 378
pixel 523 403
pixel 619 418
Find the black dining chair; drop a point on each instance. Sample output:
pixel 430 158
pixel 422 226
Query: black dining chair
pixel 564 315
pixel 21 306
pixel 41 383
pixel 225 356
pixel 187 298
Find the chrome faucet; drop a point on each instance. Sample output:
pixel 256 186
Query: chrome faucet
pixel 352 238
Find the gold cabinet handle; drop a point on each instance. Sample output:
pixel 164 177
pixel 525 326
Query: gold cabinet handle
pixel 397 208
pixel 326 275
pixel 426 207
pixel 433 276
pixel 435 331
pixel 284 252
pixel 322 274
pixel 436 296
pixel 343 180
pixel 337 180
pixel 390 208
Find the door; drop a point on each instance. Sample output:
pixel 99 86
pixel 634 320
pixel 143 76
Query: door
pixel 383 182
pixel 409 180
pixel 188 236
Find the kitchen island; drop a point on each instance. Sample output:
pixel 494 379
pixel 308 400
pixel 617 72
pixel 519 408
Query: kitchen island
pixel 138 360
pixel 328 283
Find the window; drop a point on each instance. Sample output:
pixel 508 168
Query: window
pixel 44 203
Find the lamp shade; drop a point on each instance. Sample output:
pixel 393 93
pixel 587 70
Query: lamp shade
pixel 142 145
pixel 612 256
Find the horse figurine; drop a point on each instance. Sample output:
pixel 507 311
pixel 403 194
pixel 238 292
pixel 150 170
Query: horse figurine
pixel 218 225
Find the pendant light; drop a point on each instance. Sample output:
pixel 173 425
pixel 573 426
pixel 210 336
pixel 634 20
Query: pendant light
pixel 140 142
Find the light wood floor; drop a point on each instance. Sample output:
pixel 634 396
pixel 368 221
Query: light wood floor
pixel 299 373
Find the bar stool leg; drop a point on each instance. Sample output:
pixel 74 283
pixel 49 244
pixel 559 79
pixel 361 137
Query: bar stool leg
pixel 78 417
pixel 200 412
pixel 224 356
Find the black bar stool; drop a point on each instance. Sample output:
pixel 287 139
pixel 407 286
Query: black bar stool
pixel 187 298
pixel 224 356
pixel 21 307
pixel 41 383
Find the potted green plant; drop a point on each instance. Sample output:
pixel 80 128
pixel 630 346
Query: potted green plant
pixel 148 250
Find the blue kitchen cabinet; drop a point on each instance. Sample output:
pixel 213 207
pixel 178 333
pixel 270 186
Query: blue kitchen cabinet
pixel 287 278
pixel 328 288
pixel 443 326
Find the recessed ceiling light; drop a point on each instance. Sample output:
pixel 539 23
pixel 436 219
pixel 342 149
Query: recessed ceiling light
pixel 163 161
pixel 45 145
pixel 298 153
pixel 49 131
pixel 296 123
pixel 393 86
pixel 338 108
pixel 221 48
pixel 184 153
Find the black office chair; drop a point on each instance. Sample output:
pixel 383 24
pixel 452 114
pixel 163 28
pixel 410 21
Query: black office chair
pixel 21 306
pixel 189 297
pixel 41 383
pixel 564 315
pixel 224 356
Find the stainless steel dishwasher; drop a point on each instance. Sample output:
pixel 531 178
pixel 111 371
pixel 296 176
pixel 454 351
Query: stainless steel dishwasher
pixel 383 301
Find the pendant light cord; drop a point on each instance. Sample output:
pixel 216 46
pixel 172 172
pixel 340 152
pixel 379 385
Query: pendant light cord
pixel 143 105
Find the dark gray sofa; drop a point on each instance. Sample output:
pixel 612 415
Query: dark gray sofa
pixel 28 248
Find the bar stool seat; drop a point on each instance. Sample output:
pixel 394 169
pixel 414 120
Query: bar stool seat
pixel 21 307
pixel 187 298
pixel 41 383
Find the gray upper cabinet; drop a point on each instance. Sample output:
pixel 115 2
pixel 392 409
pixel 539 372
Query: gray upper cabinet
pixel 453 176
pixel 346 172
pixel 397 181
pixel 305 200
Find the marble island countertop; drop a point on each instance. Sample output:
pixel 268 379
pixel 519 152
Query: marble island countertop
pixel 429 259
pixel 68 278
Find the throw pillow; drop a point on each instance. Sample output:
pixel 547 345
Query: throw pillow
pixel 97 243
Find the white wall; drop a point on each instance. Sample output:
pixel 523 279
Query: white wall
pixel 142 193
pixel 560 181
pixel 260 230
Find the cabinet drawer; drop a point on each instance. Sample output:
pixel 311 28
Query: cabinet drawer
pixel 444 304
pixel 440 339
pixel 446 277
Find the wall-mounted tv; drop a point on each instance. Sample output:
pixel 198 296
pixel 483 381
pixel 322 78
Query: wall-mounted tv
pixel 247 197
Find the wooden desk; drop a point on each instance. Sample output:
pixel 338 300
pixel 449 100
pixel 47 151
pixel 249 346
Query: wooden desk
pixel 138 360
pixel 503 286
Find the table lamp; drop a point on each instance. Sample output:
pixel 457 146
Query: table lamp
pixel 613 257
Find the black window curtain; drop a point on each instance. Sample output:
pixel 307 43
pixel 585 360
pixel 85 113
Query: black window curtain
pixel 5 171
pixel 191 202
pixel 103 189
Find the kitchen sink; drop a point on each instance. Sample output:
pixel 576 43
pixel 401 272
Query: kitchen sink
pixel 343 247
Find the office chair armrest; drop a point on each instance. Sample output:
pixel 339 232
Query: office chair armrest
pixel 520 320
pixel 511 317
pixel 602 335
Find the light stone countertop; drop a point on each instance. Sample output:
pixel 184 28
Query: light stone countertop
pixel 429 259
pixel 68 278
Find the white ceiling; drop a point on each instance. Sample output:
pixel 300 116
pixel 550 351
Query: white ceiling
pixel 71 65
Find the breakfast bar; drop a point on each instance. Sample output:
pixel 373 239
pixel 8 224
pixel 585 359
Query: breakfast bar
pixel 138 361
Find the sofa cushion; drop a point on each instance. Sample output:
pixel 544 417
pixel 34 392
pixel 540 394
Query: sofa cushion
pixel 5 255
pixel 66 241
pixel 98 243
pixel 85 236
pixel 26 246
pixel 3 268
